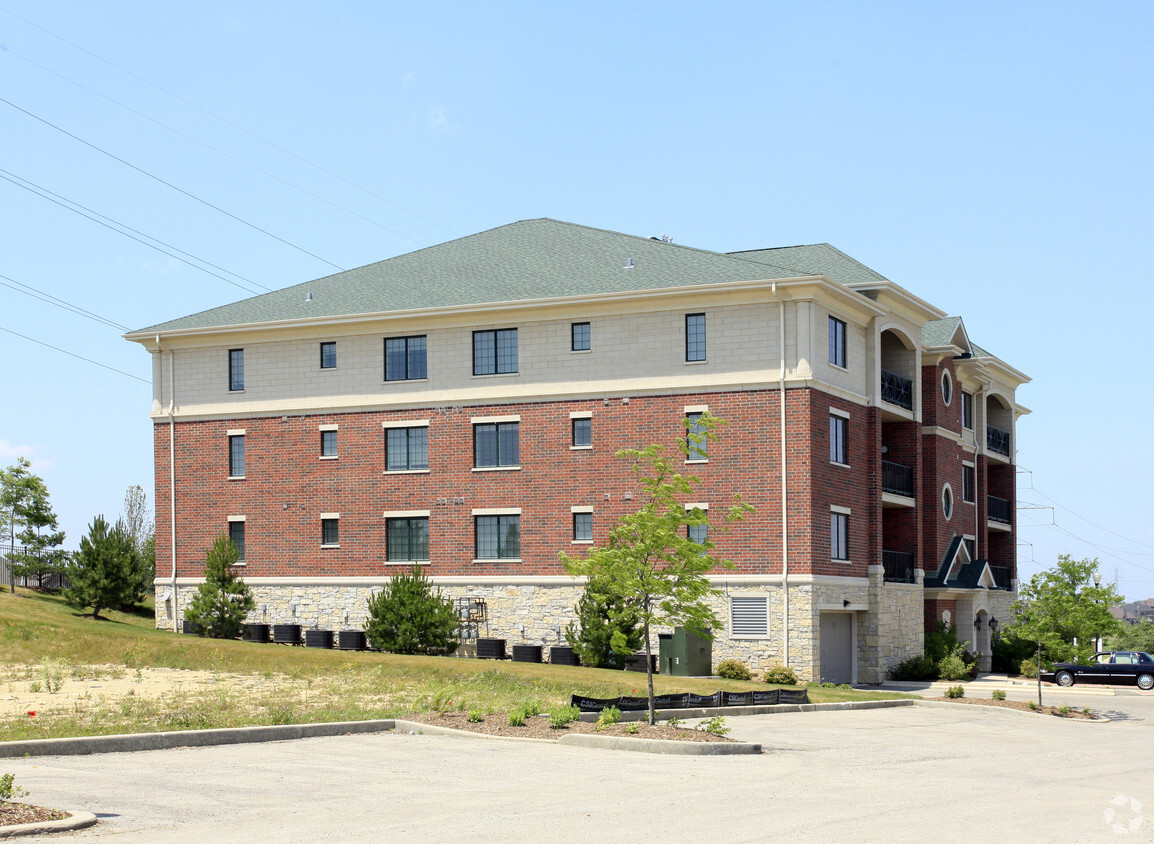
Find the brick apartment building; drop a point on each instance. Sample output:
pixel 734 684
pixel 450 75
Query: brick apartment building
pixel 460 406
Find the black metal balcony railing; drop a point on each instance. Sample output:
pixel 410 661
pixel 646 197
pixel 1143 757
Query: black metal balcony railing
pixel 897 478
pixel 899 566
pixel 1001 576
pixel 897 390
pixel 998 440
pixel 999 510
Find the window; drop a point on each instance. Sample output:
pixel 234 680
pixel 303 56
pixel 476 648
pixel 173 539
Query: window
pixel 836 342
pixel 968 487
pixel 838 429
pixel 236 535
pixel 498 537
pixel 405 359
pixel 971 547
pixel 236 456
pixel 582 433
pixel 947 502
pixel 496 444
pixel 839 535
pixel 328 355
pixel 495 352
pixel 329 443
pixel 694 337
pixel 967 410
pixel 947 387
pixel 583 527
pixel 749 616
pixel 406 449
pixel 698 450
pixel 580 336
pixel 407 540
pixel 698 533
pixel 235 370
pixel 330 532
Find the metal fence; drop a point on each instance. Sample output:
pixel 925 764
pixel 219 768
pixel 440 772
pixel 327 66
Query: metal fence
pixel 7 578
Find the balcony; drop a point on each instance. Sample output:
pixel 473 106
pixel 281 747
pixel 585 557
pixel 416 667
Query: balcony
pixel 999 509
pixel 1001 576
pixel 998 440
pixel 899 567
pixel 897 390
pixel 897 479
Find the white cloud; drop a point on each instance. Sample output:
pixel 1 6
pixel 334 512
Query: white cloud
pixel 408 78
pixel 439 121
pixel 9 451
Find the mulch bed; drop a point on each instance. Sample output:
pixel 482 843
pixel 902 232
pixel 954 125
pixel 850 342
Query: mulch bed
pixel 538 727
pixel 18 813
pixel 1022 705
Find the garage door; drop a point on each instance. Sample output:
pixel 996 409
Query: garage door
pixel 836 647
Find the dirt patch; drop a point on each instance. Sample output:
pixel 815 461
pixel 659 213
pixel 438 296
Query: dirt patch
pixel 1022 705
pixel 12 814
pixel 538 727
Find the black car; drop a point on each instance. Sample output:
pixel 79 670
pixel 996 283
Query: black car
pixel 1107 667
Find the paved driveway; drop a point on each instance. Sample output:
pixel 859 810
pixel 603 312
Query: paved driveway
pixel 902 774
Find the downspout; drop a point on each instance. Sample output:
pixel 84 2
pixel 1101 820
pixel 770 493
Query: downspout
pixel 784 482
pixel 171 477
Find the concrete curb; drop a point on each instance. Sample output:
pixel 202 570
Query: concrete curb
pixel 419 728
pixel 134 742
pixel 664 746
pixel 76 820
pixel 1097 719
pixel 987 685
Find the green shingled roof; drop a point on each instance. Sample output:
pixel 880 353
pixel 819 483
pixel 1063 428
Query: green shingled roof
pixel 531 259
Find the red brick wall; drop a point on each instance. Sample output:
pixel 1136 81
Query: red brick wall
pixel 934 610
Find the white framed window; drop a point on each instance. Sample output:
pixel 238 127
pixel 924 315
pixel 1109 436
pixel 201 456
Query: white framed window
pixel 698 451
pixel 748 616
pixel 497 534
pixel 839 533
pixel 969 484
pixel 838 438
pixel 967 410
pixel 330 530
pixel 328 441
pixel 407 537
pixel 582 524
pixel 236 453
pixel 236 535
pixel 582 429
pixel 407 446
pixel 948 502
pixel 837 342
pixel 947 387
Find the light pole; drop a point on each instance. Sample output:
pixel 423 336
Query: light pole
pixel 1097 583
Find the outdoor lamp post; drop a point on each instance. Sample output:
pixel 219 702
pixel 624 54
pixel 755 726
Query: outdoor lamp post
pixel 1097 583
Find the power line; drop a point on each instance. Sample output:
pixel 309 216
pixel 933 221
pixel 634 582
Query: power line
pixel 228 123
pixel 217 150
pixel 73 354
pixel 36 293
pixel 169 184
pixel 112 224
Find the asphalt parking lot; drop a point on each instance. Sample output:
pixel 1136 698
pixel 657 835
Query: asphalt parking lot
pixel 901 774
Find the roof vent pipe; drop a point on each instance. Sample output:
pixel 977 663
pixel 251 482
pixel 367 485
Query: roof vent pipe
pixel 309 296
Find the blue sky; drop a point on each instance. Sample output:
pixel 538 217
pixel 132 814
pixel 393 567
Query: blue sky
pixel 993 158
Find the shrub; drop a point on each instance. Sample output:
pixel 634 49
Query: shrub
pixel 1085 710
pixel 845 686
pixel 516 718
pixel 674 722
pixel 1008 653
pixel 223 601
pixel 9 790
pixel 941 642
pixel 953 667
pixel 562 716
pixel 733 669
pixel 409 616
pixel 1064 709
pixel 633 728
pixel 781 675
pixel 609 716
pixel 476 716
pixel 714 725
pixel 1033 706
pixel 915 668
pixel 1028 667
pixel 998 694
pixel 955 692
pixel 599 615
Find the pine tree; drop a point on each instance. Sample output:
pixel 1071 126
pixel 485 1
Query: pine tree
pixel 600 614
pixel 223 601
pixel 408 617
pixel 102 570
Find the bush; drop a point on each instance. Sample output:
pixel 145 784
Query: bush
pixel 562 716
pixel 674 722
pixel 1008 653
pixel 632 728
pixel 223 601
pixel 953 667
pixel 1033 706
pixel 915 668
pixel 516 718
pixel 714 725
pixel 409 617
pixel 941 642
pixel 1064 709
pixel 997 694
pixel 733 669
pixel 609 716
pixel 781 675
pixel 1028 667
pixel 955 692
pixel 9 790
pixel 476 716
pixel 599 616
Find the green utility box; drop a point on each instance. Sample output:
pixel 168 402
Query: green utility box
pixel 684 653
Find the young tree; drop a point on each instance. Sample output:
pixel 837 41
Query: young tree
pixel 409 617
pixel 101 573
pixel 138 525
pixel 600 614
pixel 222 602
pixel 32 523
pixel 650 563
pixel 1061 605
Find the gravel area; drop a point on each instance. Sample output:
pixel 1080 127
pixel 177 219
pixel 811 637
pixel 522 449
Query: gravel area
pixel 1024 706
pixel 538 727
pixel 18 813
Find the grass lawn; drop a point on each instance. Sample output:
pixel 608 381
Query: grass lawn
pixel 45 644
